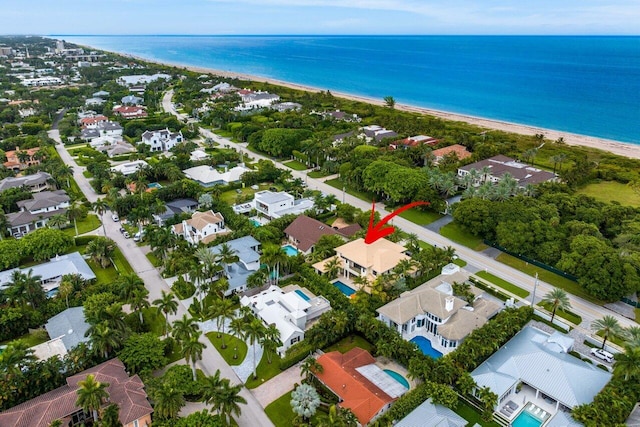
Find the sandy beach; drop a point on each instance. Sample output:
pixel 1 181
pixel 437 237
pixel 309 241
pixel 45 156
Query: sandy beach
pixel 615 147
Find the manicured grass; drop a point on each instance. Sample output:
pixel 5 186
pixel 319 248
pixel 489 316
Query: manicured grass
pixel 229 197
pixel 566 315
pixel 87 174
pixel 613 339
pixel 337 183
pixel 460 262
pixel 153 259
pixel 265 371
pixel 85 225
pixel 459 235
pixel 121 262
pixel 611 191
pixel 296 165
pixel 350 342
pixel 637 311
pixel 420 217
pixel 503 284
pixel 31 339
pixel 155 321
pixel 103 275
pixel 317 174
pixel 470 414
pixel 547 276
pixel 228 352
pixel 279 411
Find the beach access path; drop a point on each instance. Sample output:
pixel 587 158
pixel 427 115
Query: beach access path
pixel 252 413
pixel 586 309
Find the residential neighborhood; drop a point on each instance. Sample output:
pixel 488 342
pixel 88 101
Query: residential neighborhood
pixel 178 251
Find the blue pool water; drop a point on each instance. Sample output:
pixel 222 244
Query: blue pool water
pixel 290 250
pixel 154 185
pixel 344 288
pixel 302 295
pixel 396 376
pixel 526 419
pixel 425 346
pixel 255 223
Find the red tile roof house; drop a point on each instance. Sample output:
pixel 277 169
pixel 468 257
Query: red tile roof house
pixel 129 112
pixel 414 141
pixel 341 374
pixel 60 404
pixel 304 232
pixel 459 150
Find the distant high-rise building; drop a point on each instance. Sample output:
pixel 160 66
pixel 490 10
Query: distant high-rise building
pixel 59 46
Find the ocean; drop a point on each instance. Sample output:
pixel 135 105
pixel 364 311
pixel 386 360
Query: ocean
pixel 585 85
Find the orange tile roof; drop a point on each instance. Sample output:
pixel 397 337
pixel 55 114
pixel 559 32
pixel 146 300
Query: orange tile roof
pixel 460 150
pixel 357 393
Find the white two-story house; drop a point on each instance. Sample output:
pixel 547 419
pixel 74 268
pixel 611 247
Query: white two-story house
pixel 35 213
pixel 161 140
pixel 273 205
pixel 203 227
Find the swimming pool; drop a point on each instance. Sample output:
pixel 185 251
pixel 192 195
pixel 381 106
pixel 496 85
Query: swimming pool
pixel 255 223
pixel 425 346
pixel 290 250
pixel 396 376
pixel 302 295
pixel 154 185
pixel 344 288
pixel 526 419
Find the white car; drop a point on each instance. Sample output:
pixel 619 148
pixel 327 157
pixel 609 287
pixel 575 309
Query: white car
pixel 115 217
pixel 602 354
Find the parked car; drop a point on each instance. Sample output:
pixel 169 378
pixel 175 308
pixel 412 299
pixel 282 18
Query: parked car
pixel 126 235
pixel 602 354
pixel 138 236
pixel 115 217
pixel 122 230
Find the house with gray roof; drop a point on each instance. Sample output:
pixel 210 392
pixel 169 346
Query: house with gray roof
pixel 175 207
pixel 429 414
pixel 161 140
pixel 36 182
pixel 432 311
pixel 537 365
pixel 131 100
pixel 100 94
pixel 68 325
pixel 247 249
pixel 35 213
pixel 493 169
pixel 51 272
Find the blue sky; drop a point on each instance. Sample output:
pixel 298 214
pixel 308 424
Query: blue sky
pixel 320 17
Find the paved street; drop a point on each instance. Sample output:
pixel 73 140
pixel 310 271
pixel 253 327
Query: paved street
pixel 587 310
pixel 252 413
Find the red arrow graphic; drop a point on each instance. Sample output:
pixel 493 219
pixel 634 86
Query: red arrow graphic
pixel 376 232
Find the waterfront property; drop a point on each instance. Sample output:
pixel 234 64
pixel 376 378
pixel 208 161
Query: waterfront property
pixel 414 141
pixel 51 272
pixel 273 205
pixel 141 79
pixel 208 176
pixel 202 227
pixel 429 414
pixel 35 213
pixel 360 384
pixel 431 311
pixel 247 249
pixel 536 367
pixel 460 151
pixel 60 404
pixel 287 310
pixel 493 170
pixel 358 259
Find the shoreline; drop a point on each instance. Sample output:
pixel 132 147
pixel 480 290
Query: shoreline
pixel 625 149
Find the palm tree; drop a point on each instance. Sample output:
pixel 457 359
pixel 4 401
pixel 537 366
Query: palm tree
pixel 167 401
pixel 63 171
pixel 210 388
pixel 128 284
pixel 237 328
pixel 100 250
pixel 65 289
pixel 222 310
pixel 100 206
pixel 166 304
pixel 111 416
pixel 228 400
pixel 139 302
pixel 184 329
pixel 361 281
pixel 257 279
pixel 632 335
pixel 104 339
pixel 73 213
pixel 332 267
pixel 227 255
pixel 608 326
pixel 305 401
pixel 91 394
pixel 15 356
pixel 557 299
pixel 57 221
pixel 192 349
pixel 627 364
pixel 274 256
pixel 270 341
pixel 25 289
pixel 254 332
pixel 309 366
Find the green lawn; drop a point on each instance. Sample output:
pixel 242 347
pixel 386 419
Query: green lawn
pixel 317 174
pixel 350 342
pixel 279 411
pixel 266 371
pixel 228 352
pixel 363 195
pixel 503 284
pixel 611 191
pixel 459 235
pixel 296 165
pixel 31 339
pixel 567 315
pixel 87 174
pixel 460 262
pixel 121 262
pixel 420 217
pixel 470 414
pixel 154 320
pixel 85 225
pixel 547 276
pixel 229 197
pixel 103 275
pixel 153 259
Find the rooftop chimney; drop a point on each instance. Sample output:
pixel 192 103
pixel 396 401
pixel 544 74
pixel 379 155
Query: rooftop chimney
pixel 448 304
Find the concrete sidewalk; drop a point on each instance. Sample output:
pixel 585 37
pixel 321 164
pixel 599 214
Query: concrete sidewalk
pixel 278 385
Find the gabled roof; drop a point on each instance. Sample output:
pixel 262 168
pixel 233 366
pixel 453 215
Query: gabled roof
pixel 528 357
pixel 429 414
pixel 357 393
pixel 72 263
pixel 70 325
pixel 127 392
pixel 307 231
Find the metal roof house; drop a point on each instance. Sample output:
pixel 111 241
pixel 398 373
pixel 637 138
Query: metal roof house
pixel 247 249
pixel 432 415
pixel 68 325
pixel 548 375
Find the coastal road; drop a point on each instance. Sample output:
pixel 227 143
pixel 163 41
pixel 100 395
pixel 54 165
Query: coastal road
pixel 252 413
pixel 586 309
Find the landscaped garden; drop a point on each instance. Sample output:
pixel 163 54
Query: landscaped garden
pixel 234 352
pixel 507 286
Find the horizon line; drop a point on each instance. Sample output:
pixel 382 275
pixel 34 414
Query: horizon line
pixel 322 35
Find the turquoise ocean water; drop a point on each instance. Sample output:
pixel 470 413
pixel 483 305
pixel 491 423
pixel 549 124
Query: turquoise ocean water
pixel 583 85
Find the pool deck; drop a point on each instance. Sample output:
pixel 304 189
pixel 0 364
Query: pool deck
pixel 384 363
pixel 524 399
